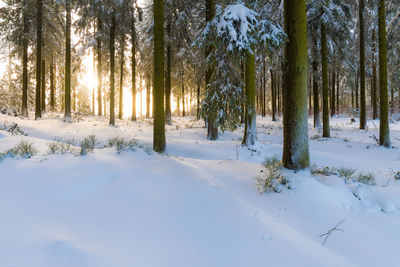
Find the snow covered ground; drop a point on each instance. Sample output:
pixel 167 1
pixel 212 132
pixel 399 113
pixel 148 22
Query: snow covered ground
pixel 197 204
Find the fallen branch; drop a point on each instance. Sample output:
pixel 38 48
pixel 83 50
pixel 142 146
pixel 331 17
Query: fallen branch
pixel 327 234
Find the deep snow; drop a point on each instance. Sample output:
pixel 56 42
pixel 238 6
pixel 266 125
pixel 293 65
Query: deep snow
pixel 197 204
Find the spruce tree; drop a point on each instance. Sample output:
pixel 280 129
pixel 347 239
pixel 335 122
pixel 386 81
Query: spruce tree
pixel 384 134
pixel 295 125
pixel 159 142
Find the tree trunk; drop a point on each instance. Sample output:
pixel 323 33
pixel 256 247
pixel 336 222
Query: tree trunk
pixel 94 88
pixel 43 95
pixel 333 98
pixel 295 119
pixel 67 116
pixel 264 109
pixel 121 80
pixel 38 108
pixel 198 100
pixel 374 78
pixel 52 89
pixel 363 109
pixel 25 42
pixel 317 118
pixel 159 142
pixel 250 128
pixel 99 79
pixel 183 94
pixel 212 131
pixel 357 86
pixel 384 134
pixel 148 96
pixel 133 33
pixel 337 92
pixel 325 89
pixel 112 68
pixel 168 118
pixel 273 95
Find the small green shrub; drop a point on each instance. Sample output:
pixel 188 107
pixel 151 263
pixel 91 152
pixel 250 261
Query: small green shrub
pixel 121 144
pixel 366 178
pixel 272 180
pixel 326 171
pixel 88 144
pixel 59 146
pixel 346 173
pixel 397 176
pixel 23 149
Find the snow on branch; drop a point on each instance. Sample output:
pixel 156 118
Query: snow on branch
pixel 240 28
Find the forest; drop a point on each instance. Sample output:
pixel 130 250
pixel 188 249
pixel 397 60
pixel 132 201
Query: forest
pixel 199 133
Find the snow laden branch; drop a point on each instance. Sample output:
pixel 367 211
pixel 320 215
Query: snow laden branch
pixel 239 28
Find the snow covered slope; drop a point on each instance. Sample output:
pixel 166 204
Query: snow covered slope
pixel 197 204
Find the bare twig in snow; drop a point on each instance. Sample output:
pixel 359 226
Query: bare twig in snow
pixel 327 234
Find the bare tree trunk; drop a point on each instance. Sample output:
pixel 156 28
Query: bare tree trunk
pixel 38 108
pixel 67 115
pixel 112 68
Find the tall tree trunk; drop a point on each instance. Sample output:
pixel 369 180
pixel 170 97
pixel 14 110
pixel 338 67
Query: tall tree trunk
pixel 133 33
pixel 325 89
pixel 67 116
pixel 112 68
pixel 295 119
pixel 374 78
pixel 333 88
pixel 250 128
pixel 43 95
pixel 25 42
pixel 357 89
pixel 38 108
pixel 121 80
pixel 317 118
pixel 264 111
pixel 363 109
pixel 337 92
pixel 94 88
pixel 391 100
pixel 99 79
pixel 159 142
pixel 52 87
pixel 198 100
pixel 183 94
pixel 148 96
pixel 273 95
pixel 384 134
pixel 212 131
pixel 168 118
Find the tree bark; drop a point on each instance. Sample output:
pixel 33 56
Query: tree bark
pixel 133 33
pixel 325 89
pixel 67 109
pixel 363 111
pixel 43 95
pixel 333 98
pixel 212 131
pixel 121 80
pixel 112 68
pixel 159 141
pixel 52 87
pixel 168 118
pixel 384 134
pixel 374 79
pixel 295 118
pixel 99 68
pixel 38 108
pixel 250 129
pixel 273 95
pixel 317 117
pixel 25 42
